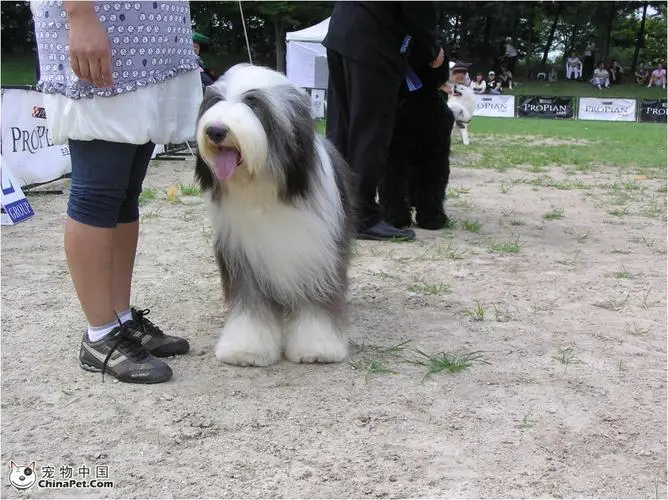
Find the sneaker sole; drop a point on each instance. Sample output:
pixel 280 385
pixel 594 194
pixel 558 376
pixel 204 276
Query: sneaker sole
pixel 395 239
pixel 95 369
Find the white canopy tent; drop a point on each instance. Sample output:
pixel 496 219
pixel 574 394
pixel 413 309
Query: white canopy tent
pixel 306 57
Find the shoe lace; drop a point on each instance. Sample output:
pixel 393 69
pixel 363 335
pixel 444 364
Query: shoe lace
pixel 146 324
pixel 132 347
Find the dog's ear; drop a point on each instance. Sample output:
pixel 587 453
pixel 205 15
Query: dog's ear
pixel 286 116
pixel 13 466
pixel 212 95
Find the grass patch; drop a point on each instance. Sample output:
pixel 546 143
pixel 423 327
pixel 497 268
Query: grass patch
pixel 579 89
pixel 566 356
pixel 622 275
pixel 526 422
pixel 507 247
pixel 472 226
pixel 641 147
pixel 375 359
pixel 448 252
pixel 477 313
pixel 557 213
pixel 457 192
pixel 147 194
pixel 189 189
pixel 448 362
pixel 451 223
pixel 429 288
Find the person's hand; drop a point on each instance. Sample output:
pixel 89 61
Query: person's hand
pixel 90 48
pixel 436 63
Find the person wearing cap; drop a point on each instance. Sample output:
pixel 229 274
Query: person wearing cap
pixel 493 83
pixel 458 75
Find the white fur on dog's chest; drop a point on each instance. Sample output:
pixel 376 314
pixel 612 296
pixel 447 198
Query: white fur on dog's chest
pixel 288 249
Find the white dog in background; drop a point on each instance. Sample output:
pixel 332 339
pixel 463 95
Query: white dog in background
pixel 282 215
pixel 463 106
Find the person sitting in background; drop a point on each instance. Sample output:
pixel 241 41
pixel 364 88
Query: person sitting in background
pixel 493 83
pixel 616 72
pixel 658 77
pixel 601 76
pixel 573 64
pixel 479 86
pixel 641 74
pixel 506 78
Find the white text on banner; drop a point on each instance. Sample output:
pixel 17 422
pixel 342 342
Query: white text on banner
pixel 15 207
pixel 614 110
pixel 499 106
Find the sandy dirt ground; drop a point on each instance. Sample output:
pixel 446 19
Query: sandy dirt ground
pixel 556 284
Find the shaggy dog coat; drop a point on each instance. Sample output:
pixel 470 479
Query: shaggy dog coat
pixel 419 164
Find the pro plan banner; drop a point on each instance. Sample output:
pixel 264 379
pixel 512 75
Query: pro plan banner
pixel 27 146
pixel 499 106
pixel 547 107
pixel 613 110
pixel 653 110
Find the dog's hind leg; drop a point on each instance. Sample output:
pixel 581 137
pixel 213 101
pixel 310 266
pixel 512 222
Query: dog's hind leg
pixel 430 193
pixel 431 179
pixel 314 334
pixel 464 130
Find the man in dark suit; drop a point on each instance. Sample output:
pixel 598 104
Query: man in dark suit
pixel 367 44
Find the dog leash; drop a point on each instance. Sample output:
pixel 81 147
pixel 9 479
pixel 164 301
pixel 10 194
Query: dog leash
pixel 412 81
pixel 243 22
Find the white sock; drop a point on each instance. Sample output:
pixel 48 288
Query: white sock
pixel 96 333
pixel 125 316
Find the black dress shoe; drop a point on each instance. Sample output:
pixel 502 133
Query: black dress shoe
pixel 382 231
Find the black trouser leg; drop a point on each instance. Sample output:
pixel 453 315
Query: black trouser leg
pixel 363 106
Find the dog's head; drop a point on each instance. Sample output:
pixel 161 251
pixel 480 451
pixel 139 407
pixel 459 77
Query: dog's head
pixel 22 477
pixel 255 125
pixel 420 55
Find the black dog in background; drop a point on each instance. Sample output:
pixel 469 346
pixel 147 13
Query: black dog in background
pixel 419 161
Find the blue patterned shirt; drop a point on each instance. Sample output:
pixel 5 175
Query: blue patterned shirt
pixel 151 42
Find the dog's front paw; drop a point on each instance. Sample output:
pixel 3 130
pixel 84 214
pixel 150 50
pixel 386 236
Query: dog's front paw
pixel 432 222
pixel 313 337
pixel 249 341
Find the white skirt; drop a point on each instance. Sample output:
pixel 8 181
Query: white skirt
pixel 163 113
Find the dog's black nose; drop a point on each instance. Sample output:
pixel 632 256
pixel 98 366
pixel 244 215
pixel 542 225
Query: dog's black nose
pixel 217 133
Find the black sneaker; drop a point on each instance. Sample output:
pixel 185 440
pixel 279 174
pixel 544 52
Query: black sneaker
pixel 153 338
pixel 382 231
pixel 124 357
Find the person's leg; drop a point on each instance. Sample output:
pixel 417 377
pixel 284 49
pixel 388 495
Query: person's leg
pixel 125 241
pixel 337 113
pixel 126 234
pixel 353 107
pixel 100 174
pixel 372 105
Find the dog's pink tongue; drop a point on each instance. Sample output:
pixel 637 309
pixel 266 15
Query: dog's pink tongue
pixel 227 162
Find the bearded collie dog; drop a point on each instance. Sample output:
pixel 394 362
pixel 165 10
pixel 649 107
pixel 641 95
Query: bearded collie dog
pixel 281 207
pixel 462 103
